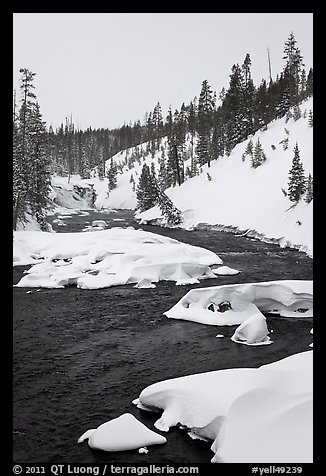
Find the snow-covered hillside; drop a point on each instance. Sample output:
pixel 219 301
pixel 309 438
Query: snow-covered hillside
pixel 241 196
pixel 234 194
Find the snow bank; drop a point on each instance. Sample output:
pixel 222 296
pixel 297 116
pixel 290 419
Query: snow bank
pixel 235 303
pixel 109 257
pixel 121 434
pixel 254 415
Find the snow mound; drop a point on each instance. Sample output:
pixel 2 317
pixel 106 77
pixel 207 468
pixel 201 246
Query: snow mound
pixel 253 331
pixel 235 303
pixel 225 271
pixel 252 414
pixel 107 258
pixel 121 434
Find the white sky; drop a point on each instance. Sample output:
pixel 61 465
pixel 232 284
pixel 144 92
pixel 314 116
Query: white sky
pixel 105 69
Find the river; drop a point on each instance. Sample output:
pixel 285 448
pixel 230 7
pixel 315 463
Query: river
pixel 81 356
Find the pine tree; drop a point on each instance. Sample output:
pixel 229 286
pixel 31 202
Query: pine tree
pixel 234 110
pixel 309 84
pixel 171 213
pixel 248 91
pixel 296 183
pixel 311 119
pixel 309 189
pixel 293 68
pixel 296 112
pixel 249 148
pixel 174 165
pixel 147 190
pixel 205 121
pixel 111 175
pixel 38 195
pixel 258 156
pixel 133 183
pixel 261 107
pixel 31 166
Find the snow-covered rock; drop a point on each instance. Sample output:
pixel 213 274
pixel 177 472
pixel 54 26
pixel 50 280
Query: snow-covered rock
pixel 252 331
pixel 233 304
pixel 225 271
pixel 121 434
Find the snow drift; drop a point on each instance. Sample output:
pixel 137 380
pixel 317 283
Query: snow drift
pixel 106 258
pixel 253 415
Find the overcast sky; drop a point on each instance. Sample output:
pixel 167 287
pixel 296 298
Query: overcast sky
pixel 106 69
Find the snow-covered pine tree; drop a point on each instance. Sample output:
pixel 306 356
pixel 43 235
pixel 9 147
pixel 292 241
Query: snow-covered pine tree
pixel 31 167
pixel 258 156
pixel 111 175
pixel 192 127
pixel 206 106
pixel 38 195
pixel 162 175
pixel 249 150
pixel 293 68
pixel 174 165
pixel 133 183
pixel 261 107
pixel 311 119
pixel 171 213
pixel 297 181
pixel 248 92
pixel 147 190
pixel 296 112
pixel 309 189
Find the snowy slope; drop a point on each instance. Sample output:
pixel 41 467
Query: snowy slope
pixel 241 196
pixel 237 195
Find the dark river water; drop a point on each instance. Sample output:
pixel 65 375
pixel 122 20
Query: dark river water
pixel 81 356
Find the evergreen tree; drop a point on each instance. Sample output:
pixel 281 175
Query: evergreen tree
pixel 309 189
pixel 296 112
pixel 133 183
pixel 293 68
pixel 311 119
pixel 175 140
pixel 147 190
pixel 171 213
pixel 249 148
pixel 205 121
pixel 258 156
pixel 192 127
pixel 309 84
pixel 162 175
pixel 261 107
pixel 235 113
pixel 248 91
pixel 111 174
pixel 296 183
pixel 31 167
pixel 284 102
pixel 38 195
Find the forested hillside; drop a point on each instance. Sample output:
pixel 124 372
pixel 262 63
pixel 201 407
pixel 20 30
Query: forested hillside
pixel 195 136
